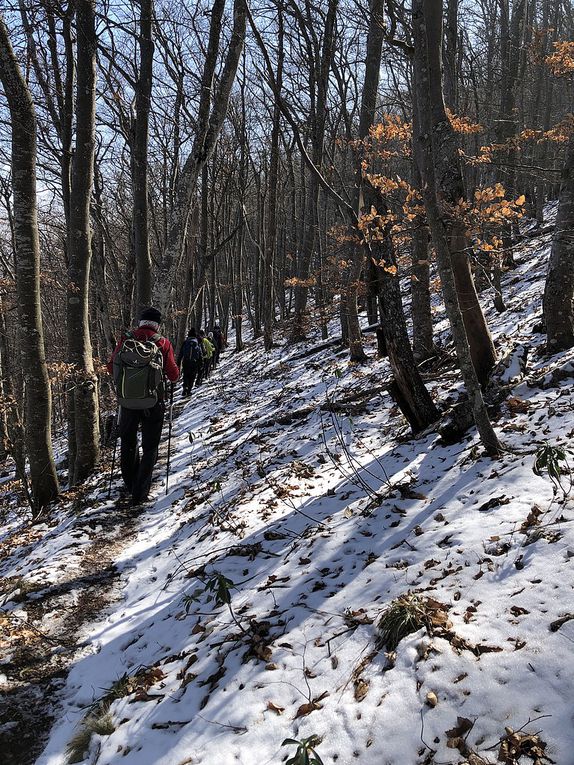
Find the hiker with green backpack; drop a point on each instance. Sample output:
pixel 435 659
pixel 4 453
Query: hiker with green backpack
pixel 139 364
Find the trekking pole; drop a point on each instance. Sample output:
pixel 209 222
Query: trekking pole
pixel 115 434
pixel 169 437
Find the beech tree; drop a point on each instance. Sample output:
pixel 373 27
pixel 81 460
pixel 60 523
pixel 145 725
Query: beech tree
pixel 140 139
pixel 38 409
pixel 83 436
pixel 430 141
pixel 559 289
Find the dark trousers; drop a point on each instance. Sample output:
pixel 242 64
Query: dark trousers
pixel 207 367
pixel 137 471
pixel 191 373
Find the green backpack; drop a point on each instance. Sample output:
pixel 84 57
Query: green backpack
pixel 138 372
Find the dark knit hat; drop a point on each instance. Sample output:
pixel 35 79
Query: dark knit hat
pixel 151 314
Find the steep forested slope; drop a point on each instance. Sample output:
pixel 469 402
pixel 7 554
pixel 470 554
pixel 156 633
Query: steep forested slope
pixel 250 603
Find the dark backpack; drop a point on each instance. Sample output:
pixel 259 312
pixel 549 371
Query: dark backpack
pixel 218 339
pixel 193 352
pixel 138 372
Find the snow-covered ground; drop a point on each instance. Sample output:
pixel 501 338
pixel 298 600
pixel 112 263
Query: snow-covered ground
pixel 310 508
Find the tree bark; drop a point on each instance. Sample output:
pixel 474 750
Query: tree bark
pixel 362 197
pixel 408 389
pixel 83 398
pixel 428 143
pixel 43 479
pixel 450 188
pixel 450 48
pixel 559 288
pixel 423 345
pixel 271 216
pixel 14 432
pixel 318 118
pixel 140 139
pixel 511 34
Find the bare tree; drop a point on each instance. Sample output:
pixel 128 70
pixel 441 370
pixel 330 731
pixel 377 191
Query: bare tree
pixel 559 289
pixel 427 29
pixel 83 390
pixel 210 117
pixel 140 139
pixel 43 479
pixel 320 60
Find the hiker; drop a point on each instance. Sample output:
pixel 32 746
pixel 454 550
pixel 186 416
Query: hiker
pixel 208 349
pixel 139 363
pixel 214 352
pixel 219 342
pixel 191 356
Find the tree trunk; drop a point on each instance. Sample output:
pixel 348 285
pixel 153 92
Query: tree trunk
pixel 366 120
pixel 408 389
pixel 237 270
pixel 84 433
pixel 423 345
pixel 427 21
pixel 511 34
pixel 271 218
pixel 43 479
pixel 559 289
pixel 185 321
pixel 318 120
pixel 139 158
pixel 450 48
pixel 99 247
pixel 450 187
pixel 12 411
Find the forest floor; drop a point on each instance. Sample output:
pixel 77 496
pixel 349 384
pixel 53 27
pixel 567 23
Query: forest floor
pixel 250 604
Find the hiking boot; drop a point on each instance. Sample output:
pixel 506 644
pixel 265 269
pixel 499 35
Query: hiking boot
pixel 137 501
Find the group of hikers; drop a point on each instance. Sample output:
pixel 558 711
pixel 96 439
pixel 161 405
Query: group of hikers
pixel 199 355
pixel 141 363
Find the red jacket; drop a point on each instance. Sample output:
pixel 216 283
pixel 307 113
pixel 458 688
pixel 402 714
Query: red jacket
pixel 145 333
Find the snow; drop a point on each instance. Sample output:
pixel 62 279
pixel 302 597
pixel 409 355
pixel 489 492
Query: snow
pixel 306 519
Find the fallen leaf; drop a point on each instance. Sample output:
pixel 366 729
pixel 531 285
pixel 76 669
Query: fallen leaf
pixel 463 725
pixel 517 406
pixel 361 689
pixel 518 611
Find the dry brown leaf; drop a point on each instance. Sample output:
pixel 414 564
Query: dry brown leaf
pixel 272 707
pixel 518 611
pixel 517 405
pixel 306 709
pixel 311 706
pixel 361 689
pixel 463 725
